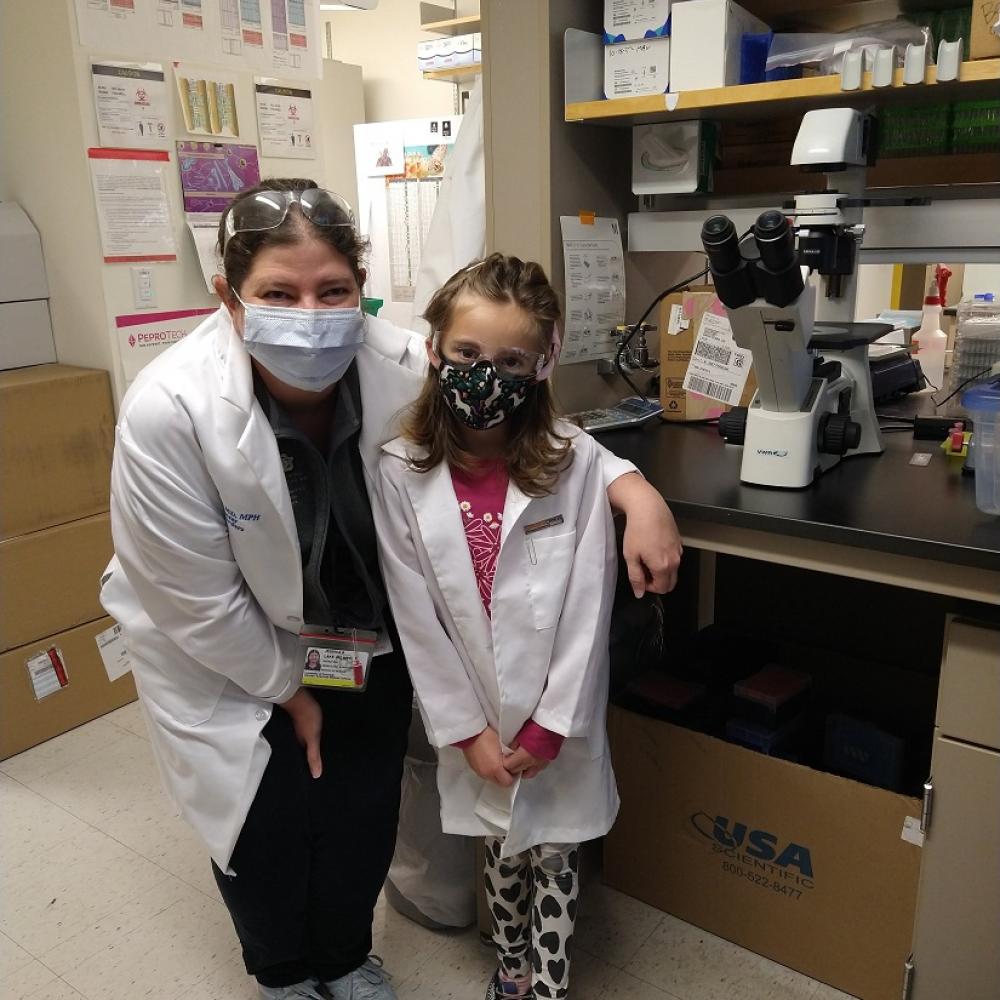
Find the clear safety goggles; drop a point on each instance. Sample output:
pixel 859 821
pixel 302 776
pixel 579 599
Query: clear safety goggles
pixel 269 209
pixel 512 364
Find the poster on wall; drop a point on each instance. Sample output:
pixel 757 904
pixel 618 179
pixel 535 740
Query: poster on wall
pixel 284 119
pixel 204 230
pixel 212 173
pixel 384 156
pixel 131 104
pixel 142 336
pixel 595 288
pixel 132 207
pixel 273 37
pixel 208 101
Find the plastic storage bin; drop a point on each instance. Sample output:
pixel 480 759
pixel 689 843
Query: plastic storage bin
pixel 983 404
pixel 977 343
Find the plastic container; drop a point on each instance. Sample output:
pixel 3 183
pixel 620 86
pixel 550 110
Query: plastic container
pixel 983 404
pixel 914 131
pixel 977 342
pixel 975 127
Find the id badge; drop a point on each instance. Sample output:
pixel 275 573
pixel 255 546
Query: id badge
pixel 336 658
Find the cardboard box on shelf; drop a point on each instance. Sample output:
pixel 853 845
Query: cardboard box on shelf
pixel 707 37
pixel 985 41
pixel 49 580
pixel 637 69
pixel 57 427
pixel 56 684
pixel 680 321
pixel 803 867
pixel 631 21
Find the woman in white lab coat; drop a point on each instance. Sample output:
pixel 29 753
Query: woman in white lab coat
pixel 240 514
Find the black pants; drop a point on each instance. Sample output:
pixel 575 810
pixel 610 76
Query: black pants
pixel 313 854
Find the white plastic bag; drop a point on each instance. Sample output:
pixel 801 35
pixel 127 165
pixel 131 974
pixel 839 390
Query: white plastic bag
pixel 828 50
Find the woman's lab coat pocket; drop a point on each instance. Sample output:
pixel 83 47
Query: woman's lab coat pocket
pixel 550 562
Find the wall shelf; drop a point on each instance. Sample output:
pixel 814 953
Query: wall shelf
pixel 454 25
pixel 979 79
pixel 457 75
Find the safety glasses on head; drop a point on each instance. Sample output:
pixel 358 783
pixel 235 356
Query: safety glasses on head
pixel 269 209
pixel 512 364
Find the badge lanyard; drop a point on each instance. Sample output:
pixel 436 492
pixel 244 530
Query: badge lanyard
pixel 336 658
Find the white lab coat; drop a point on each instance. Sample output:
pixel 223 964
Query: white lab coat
pixel 207 576
pixel 543 654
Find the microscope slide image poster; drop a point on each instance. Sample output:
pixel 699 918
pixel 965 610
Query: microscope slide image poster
pixel 213 172
pixel 595 288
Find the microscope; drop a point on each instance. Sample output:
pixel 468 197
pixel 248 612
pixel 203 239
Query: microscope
pixel 789 287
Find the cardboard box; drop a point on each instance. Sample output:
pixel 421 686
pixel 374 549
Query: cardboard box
pixel 680 319
pixel 26 721
pixel 637 69
pixel 707 36
pixel 633 20
pixel 57 432
pixel 985 42
pixel 26 334
pixel 803 867
pixel 49 580
pixel 22 267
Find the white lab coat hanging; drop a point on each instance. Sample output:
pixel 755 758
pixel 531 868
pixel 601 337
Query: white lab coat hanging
pixel 543 653
pixel 207 576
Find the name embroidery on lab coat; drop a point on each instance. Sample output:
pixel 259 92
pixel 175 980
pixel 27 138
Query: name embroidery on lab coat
pixel 236 518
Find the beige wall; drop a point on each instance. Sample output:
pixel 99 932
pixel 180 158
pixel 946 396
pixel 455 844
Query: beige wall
pixel 383 42
pixel 45 169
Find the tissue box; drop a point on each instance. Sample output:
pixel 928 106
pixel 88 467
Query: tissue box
pixel 427 56
pixel 672 158
pixel 707 36
pixel 633 20
pixel 637 69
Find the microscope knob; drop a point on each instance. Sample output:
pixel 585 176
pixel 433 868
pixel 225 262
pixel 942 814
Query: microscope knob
pixel 838 434
pixel 733 425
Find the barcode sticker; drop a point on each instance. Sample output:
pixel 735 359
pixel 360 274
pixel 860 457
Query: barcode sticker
pixel 677 323
pixel 718 368
pixel 47 672
pixel 111 645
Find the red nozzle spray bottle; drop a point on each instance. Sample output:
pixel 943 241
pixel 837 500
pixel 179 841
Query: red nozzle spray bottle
pixel 930 339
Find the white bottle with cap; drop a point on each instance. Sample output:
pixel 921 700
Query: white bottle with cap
pixel 930 340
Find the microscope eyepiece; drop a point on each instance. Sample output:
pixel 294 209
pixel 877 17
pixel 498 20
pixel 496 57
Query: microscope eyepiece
pixel 718 236
pixel 775 240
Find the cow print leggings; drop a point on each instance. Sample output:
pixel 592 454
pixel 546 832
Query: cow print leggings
pixel 532 898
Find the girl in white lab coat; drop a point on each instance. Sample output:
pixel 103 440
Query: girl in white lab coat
pixel 498 553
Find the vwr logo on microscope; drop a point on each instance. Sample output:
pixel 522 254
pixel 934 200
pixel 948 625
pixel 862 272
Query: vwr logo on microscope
pixel 773 452
pixel 758 850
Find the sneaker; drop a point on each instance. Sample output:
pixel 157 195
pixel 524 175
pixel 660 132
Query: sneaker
pixel 499 990
pixel 370 982
pixel 308 989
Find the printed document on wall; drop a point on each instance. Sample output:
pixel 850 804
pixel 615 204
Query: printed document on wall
pixel 142 336
pixel 276 37
pixel 284 119
pixel 131 104
pixel 208 101
pixel 212 173
pixel 132 207
pixel 595 288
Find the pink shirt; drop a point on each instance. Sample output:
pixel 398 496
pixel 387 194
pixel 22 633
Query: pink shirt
pixel 481 496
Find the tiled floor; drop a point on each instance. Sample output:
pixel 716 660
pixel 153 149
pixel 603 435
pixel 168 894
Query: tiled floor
pixel 106 895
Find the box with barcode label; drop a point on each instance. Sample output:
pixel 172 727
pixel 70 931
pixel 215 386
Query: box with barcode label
pixel 702 372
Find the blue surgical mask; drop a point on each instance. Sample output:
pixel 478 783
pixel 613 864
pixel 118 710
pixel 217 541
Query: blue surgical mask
pixel 309 349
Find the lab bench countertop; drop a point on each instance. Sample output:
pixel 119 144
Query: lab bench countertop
pixel 877 502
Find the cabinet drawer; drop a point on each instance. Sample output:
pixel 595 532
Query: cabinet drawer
pixel 969 696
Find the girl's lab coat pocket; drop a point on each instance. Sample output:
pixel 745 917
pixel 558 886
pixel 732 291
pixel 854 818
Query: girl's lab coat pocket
pixel 550 561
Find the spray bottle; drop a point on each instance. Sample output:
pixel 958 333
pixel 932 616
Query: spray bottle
pixel 930 339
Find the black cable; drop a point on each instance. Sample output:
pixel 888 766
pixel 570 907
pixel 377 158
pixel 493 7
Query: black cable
pixel 955 392
pixel 623 347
